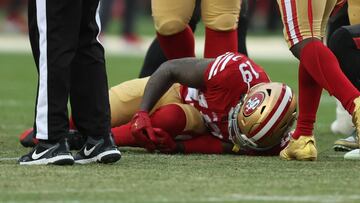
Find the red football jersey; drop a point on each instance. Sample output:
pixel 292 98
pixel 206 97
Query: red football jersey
pixel 227 78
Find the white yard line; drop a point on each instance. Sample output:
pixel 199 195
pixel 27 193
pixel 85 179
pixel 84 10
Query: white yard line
pixel 9 158
pixel 231 198
pixel 286 198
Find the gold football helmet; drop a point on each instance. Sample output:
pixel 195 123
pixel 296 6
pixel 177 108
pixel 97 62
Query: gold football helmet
pixel 263 117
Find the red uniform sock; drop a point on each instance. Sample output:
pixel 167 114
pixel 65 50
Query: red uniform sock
pixel 179 45
pixel 204 144
pixel 123 137
pixel 324 68
pixel 219 42
pixel 71 124
pixel 318 69
pixel 309 99
pixel 170 118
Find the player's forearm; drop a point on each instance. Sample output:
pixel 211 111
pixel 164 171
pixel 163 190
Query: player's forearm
pixel 157 85
pixel 187 71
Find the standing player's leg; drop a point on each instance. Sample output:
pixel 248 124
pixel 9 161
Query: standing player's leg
pixel 171 20
pixel 246 12
pixel 220 19
pixel 342 124
pixel 305 23
pixel 345 44
pixel 354 18
pixel 155 56
pixel 89 96
pixel 54 37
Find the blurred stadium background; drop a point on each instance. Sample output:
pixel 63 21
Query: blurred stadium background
pixel 135 39
pixel 142 177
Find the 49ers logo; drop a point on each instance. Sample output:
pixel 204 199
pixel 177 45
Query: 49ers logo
pixel 253 102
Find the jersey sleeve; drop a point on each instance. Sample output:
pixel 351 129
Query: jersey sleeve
pixel 233 70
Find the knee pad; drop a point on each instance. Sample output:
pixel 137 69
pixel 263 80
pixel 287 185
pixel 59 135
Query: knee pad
pixel 223 22
pixel 170 26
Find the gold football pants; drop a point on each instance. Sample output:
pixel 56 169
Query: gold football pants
pixel 354 11
pixel 126 97
pixel 301 23
pixel 172 16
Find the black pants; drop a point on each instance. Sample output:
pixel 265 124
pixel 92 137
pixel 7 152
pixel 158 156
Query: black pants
pixel 70 62
pixel 344 43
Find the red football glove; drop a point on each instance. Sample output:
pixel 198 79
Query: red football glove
pixel 164 142
pixel 142 130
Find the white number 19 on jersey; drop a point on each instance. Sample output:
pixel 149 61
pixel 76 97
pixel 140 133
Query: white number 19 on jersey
pixel 248 71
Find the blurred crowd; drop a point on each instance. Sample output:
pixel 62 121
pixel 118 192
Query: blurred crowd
pixel 125 15
pixel 14 16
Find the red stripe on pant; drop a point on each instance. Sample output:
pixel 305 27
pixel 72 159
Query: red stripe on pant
pixel 357 42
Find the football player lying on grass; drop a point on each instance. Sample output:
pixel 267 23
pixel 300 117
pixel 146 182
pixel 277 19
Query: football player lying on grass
pixel 210 106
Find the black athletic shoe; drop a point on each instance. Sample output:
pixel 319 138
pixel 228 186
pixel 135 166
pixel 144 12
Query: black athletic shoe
pixel 44 153
pixel 74 138
pixel 102 151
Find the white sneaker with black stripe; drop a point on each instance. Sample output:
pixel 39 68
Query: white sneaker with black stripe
pixel 45 153
pixel 102 151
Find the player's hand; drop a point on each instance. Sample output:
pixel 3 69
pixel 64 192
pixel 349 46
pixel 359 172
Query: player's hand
pixel 142 130
pixel 164 142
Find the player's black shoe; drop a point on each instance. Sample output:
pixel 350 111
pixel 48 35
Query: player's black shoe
pixel 44 153
pixel 102 151
pixel 74 138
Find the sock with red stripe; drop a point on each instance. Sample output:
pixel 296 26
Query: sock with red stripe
pixel 71 123
pixel 179 45
pixel 219 42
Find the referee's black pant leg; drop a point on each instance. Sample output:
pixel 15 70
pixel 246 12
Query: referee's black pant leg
pixel 54 27
pixel 89 87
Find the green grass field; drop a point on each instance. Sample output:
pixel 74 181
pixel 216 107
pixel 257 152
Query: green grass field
pixel 143 177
